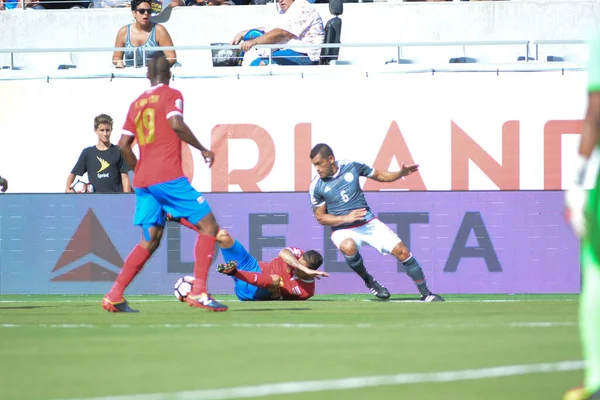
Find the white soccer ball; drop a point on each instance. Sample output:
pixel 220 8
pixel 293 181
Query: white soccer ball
pixel 82 187
pixel 183 287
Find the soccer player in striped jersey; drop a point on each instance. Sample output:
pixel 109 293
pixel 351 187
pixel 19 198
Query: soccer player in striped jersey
pixel 338 201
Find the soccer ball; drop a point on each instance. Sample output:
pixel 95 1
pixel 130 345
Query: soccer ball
pixel 82 187
pixel 183 287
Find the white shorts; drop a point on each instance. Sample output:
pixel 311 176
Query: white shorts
pixel 374 233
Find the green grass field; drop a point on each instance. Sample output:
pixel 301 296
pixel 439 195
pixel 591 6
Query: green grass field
pixel 66 347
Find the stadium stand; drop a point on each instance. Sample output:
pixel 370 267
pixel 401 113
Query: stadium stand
pixel 376 34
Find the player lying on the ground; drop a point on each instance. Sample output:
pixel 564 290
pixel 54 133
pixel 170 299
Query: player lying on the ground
pixel 291 276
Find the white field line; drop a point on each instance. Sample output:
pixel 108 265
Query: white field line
pixel 133 300
pixel 528 324
pixel 353 383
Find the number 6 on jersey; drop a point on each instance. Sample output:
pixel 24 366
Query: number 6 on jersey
pixel 344 196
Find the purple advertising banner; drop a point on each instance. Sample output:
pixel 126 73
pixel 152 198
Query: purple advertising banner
pixel 466 242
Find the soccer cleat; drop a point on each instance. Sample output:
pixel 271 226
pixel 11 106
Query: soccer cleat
pixel 430 298
pixel 377 289
pixel 577 393
pixel 116 306
pixel 205 301
pixel 230 268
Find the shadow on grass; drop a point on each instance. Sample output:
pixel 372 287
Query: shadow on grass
pixel 269 309
pixel 376 300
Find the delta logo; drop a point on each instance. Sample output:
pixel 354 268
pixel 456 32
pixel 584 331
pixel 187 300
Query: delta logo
pixel 90 255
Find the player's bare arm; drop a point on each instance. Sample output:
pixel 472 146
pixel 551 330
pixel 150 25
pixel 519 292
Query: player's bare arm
pixel 388 176
pixel 126 183
pixel 591 126
pixel 185 133
pixel 323 218
pixel 276 280
pixel 125 143
pixel 290 259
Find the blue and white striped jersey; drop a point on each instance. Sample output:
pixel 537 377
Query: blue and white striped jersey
pixel 342 192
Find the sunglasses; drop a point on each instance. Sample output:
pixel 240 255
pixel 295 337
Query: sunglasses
pixel 144 10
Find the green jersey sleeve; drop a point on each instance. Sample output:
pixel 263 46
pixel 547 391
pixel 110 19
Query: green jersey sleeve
pixel 594 64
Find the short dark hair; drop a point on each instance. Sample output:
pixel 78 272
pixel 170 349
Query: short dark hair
pixel 136 3
pixel 323 149
pixel 313 258
pixel 158 66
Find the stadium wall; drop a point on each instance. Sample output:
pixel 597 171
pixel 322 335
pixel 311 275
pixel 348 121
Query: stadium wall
pixel 468 131
pixel 467 242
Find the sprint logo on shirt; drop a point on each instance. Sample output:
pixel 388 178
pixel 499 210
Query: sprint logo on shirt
pixel 103 165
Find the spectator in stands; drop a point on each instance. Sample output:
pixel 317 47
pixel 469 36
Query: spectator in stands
pixel 209 3
pixel 3 184
pixel 156 5
pixel 159 5
pixel 141 35
pixel 16 4
pixel 299 23
pixel 9 4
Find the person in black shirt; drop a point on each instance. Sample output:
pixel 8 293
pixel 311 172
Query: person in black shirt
pixel 106 168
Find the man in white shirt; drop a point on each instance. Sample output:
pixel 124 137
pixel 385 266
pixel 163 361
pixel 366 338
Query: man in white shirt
pixel 299 23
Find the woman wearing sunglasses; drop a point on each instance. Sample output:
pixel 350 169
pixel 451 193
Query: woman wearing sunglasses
pixel 142 34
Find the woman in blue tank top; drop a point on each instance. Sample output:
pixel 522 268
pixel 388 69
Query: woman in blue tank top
pixel 141 35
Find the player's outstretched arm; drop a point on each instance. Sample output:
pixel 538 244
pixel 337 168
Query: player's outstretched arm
pixel 125 146
pixel 185 133
pixel 290 259
pixel 388 176
pixel 323 218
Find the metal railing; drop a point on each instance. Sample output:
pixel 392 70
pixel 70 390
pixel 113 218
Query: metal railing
pixel 397 45
pixel 538 43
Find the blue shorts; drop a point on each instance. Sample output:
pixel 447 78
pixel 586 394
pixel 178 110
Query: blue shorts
pixel 244 290
pixel 176 197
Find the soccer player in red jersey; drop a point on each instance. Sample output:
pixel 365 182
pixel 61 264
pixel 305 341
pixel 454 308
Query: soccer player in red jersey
pixel 155 118
pixel 291 276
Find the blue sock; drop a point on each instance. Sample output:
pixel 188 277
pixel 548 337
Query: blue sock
pixel 414 270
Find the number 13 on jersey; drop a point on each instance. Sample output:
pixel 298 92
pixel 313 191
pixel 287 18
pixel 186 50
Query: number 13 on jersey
pixel 144 126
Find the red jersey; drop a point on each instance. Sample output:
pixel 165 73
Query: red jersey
pixel 159 145
pixel 292 287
